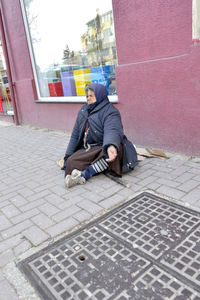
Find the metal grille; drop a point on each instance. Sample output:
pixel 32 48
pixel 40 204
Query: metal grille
pixel 148 248
pixel 150 225
pixel 185 257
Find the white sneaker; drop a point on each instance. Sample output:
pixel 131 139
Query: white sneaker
pixel 75 173
pixel 72 181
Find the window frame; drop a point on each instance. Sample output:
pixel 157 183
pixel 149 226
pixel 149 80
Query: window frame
pixel 63 99
pixel 196 20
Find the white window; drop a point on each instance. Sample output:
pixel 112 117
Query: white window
pixel 68 48
pixel 196 20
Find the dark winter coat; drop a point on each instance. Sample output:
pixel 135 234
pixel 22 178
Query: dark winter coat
pixel 105 128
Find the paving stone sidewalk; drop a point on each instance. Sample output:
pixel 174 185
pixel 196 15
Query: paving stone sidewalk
pixel 36 208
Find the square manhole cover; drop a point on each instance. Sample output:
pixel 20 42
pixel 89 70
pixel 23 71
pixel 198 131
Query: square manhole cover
pixel 147 248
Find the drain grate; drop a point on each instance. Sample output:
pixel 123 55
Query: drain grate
pixel 148 248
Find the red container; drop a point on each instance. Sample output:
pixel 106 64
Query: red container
pixel 55 89
pixel 1 105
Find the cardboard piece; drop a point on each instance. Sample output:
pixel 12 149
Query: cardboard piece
pixel 150 152
pixel 140 157
pixel 143 152
pixel 157 152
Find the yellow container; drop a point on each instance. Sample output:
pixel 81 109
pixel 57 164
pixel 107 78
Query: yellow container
pixel 82 77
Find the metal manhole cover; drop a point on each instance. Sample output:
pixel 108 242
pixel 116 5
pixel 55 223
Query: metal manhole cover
pixel 148 248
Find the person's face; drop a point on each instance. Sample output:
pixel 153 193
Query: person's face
pixel 90 97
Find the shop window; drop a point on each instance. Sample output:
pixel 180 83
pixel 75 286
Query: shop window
pixel 196 20
pixel 6 107
pixel 72 43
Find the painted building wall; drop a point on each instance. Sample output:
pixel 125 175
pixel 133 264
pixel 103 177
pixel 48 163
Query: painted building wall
pixel 158 74
pixel 158 77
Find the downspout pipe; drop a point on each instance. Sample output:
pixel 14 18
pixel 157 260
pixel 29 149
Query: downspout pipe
pixel 11 84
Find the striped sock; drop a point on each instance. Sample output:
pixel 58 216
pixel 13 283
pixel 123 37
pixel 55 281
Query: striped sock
pixel 98 167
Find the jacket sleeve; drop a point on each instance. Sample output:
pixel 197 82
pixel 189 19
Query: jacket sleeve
pixel 74 139
pixel 113 129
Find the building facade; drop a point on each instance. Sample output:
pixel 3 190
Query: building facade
pixel 146 52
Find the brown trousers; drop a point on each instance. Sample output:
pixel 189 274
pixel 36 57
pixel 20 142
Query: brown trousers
pixel 82 158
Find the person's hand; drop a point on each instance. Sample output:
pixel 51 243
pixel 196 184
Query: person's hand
pixel 112 153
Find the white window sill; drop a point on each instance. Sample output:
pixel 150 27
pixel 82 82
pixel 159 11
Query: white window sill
pixel 113 99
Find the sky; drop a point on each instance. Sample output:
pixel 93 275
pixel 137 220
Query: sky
pixel 61 22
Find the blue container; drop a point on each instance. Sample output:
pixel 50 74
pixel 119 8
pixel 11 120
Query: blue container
pixel 97 75
pixel 107 74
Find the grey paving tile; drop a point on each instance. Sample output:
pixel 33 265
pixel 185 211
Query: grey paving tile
pixel 35 235
pixel 58 190
pixel 113 190
pixel 82 215
pixel 114 200
pixel 179 171
pixel 42 221
pixel 195 160
pixel 192 197
pixel 15 229
pixel 189 185
pixel 145 174
pixel 71 201
pixel 192 164
pixel 174 162
pixel 25 216
pixel 171 183
pixel 61 227
pixel 1 276
pixel 153 186
pixel 93 196
pixel 10 211
pixel 90 206
pixel 185 177
pixel 33 204
pixel 162 168
pixel 54 199
pixel 70 211
pixel 21 248
pixel 25 192
pixel 44 188
pixel 8 196
pixel 7 292
pixel 125 192
pixel 10 243
pixel 131 178
pixel 31 184
pixel 171 192
pixel 4 223
pixel 38 195
pixel 18 200
pixel 147 180
pixel 165 175
pixel 195 171
pixel 5 258
pixel 197 177
pixel 4 203
pixel 49 209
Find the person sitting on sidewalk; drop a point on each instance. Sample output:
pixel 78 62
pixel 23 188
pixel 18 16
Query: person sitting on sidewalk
pixel 97 142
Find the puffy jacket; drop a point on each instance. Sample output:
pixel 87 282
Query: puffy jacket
pixel 105 128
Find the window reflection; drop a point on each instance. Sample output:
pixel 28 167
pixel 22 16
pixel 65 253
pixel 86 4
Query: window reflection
pixel 73 44
pixel 196 20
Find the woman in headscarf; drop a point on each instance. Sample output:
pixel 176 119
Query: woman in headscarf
pixel 97 142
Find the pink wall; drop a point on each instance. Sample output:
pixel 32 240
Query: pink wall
pixel 158 76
